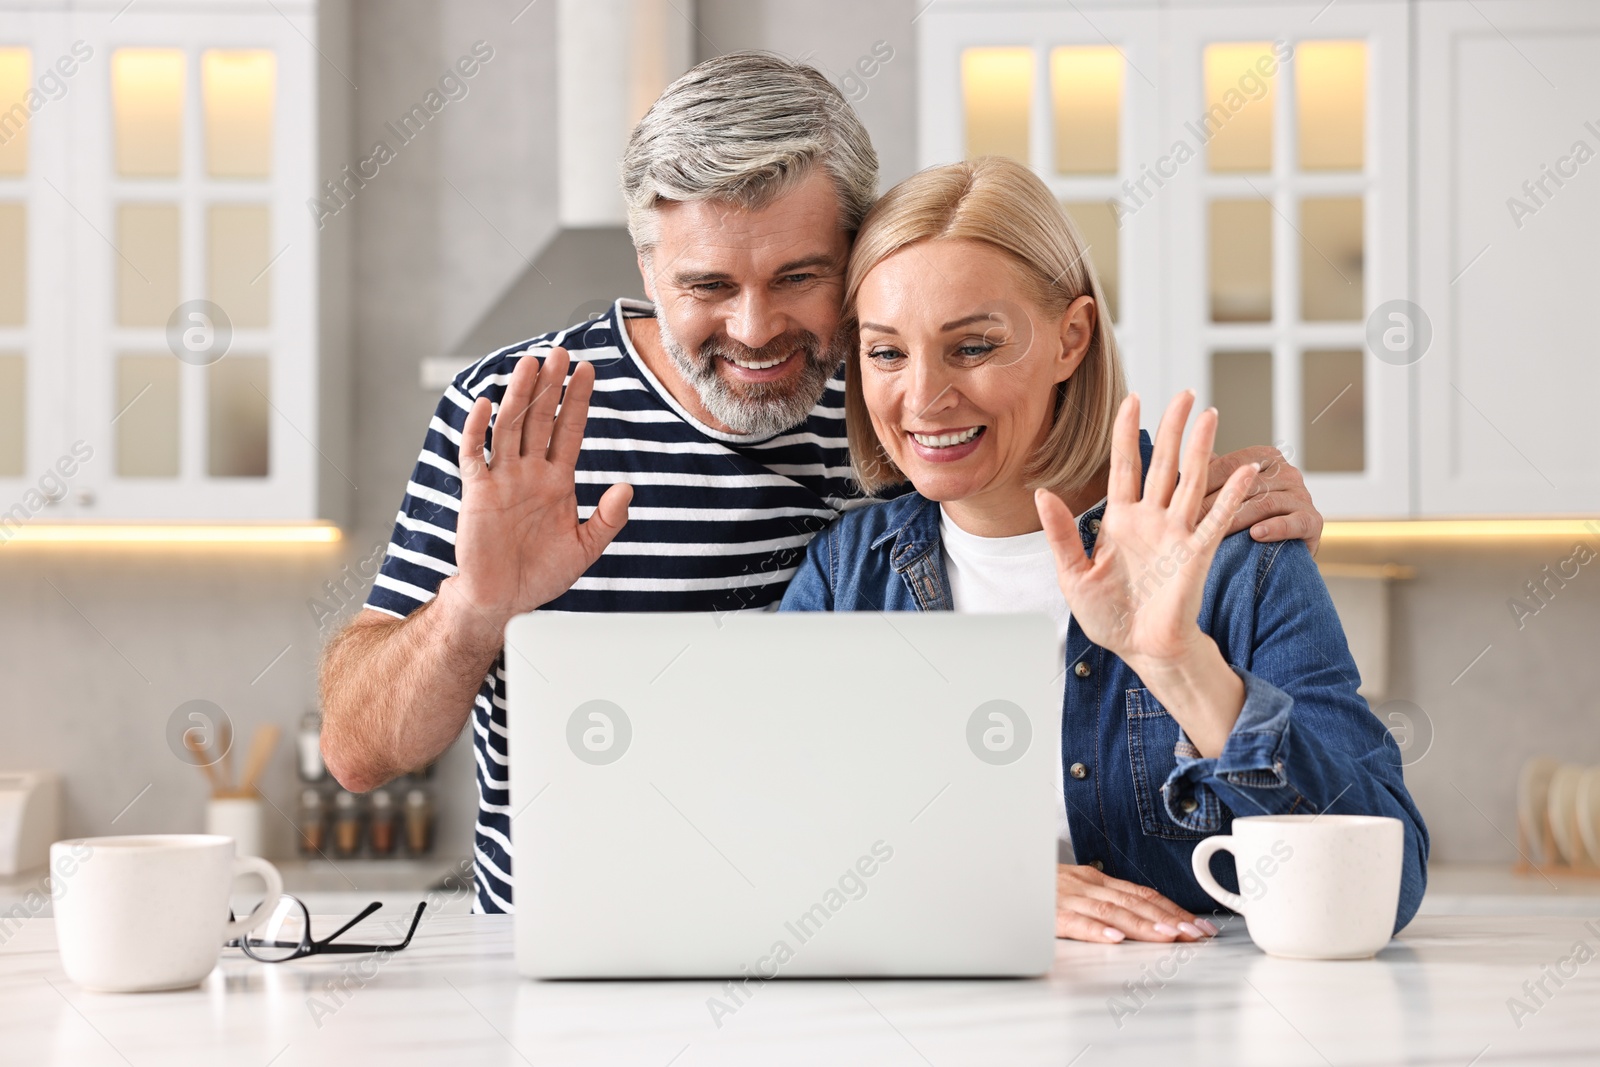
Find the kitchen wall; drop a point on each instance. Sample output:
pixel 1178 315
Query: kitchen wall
pixel 99 646
pixel 1494 687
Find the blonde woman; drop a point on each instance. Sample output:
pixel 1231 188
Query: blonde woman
pixel 1206 676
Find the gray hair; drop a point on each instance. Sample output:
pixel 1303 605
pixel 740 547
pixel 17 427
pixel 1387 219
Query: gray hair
pixel 745 127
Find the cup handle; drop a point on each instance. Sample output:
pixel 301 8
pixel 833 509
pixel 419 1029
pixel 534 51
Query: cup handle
pixel 263 911
pixel 1200 860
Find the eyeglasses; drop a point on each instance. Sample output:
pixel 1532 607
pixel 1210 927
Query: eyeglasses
pixel 286 935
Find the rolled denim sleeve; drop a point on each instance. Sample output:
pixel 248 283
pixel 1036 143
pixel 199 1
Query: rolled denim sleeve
pixel 1306 741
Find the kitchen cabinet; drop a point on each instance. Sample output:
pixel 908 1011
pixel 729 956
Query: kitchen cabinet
pixel 1507 211
pixel 1076 96
pixel 1248 210
pixel 1286 230
pixel 159 269
pixel 1360 229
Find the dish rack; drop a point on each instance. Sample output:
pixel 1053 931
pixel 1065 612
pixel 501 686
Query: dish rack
pixel 1558 819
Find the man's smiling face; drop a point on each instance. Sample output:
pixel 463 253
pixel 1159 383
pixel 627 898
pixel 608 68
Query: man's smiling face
pixel 748 301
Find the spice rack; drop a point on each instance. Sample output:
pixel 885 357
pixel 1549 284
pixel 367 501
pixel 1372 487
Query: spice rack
pixel 393 821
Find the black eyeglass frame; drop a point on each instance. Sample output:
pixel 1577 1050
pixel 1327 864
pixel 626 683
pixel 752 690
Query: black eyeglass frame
pixel 310 946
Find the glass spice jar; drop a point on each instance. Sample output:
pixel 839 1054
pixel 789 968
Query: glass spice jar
pixel 382 819
pixel 419 822
pixel 308 748
pixel 312 820
pixel 346 823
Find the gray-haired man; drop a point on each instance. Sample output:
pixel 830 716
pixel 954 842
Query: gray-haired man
pixel 715 431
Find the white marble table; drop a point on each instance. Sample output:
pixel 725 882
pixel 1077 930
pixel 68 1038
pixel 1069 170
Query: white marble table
pixel 1437 995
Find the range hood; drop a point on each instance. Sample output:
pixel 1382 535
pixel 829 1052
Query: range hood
pixel 613 58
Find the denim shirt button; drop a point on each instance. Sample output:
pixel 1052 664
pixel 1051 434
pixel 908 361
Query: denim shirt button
pixel 1081 670
pixel 1094 527
pixel 1098 865
pixel 1188 805
pixel 1078 771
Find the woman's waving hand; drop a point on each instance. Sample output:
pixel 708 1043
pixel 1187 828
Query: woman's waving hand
pixel 1141 593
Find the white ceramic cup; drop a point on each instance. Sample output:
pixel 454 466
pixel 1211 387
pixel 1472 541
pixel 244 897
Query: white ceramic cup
pixel 1323 887
pixel 138 914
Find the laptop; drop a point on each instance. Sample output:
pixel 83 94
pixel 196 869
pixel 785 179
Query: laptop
pixel 764 795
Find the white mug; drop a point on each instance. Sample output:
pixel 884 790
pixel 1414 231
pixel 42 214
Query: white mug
pixel 1323 887
pixel 139 914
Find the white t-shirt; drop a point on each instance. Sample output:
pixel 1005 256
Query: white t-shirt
pixel 1004 575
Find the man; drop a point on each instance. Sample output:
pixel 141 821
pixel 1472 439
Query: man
pixel 716 433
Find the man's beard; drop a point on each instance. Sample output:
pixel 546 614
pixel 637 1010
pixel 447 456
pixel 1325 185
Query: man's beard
pixel 758 409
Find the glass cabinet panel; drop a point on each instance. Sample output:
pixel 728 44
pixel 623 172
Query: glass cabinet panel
pixel 1097 225
pixel 147 99
pixel 150 153
pixel 1086 95
pixel 237 86
pixel 1241 391
pixel 236 404
pixel 1332 272
pixel 1240 234
pixel 1331 89
pixel 16 77
pixel 147 264
pixel 1239 101
pixel 13 414
pixel 997 90
pixel 147 415
pixel 1240 175
pixel 1333 410
pixel 237 253
pixel 13 264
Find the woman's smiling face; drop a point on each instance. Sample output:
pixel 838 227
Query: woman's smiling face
pixel 959 368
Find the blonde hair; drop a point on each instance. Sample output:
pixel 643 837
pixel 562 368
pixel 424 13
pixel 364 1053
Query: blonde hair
pixel 1003 204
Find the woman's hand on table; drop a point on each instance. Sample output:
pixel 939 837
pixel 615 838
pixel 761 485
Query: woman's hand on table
pixel 1140 596
pixel 1091 906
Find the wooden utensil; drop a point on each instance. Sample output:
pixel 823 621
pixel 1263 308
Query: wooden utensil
pixel 225 757
pixel 261 749
pixel 193 743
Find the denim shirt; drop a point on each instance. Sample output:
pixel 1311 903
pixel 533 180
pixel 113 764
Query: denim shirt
pixel 1305 741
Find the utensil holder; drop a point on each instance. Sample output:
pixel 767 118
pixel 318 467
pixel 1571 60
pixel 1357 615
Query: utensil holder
pixel 240 818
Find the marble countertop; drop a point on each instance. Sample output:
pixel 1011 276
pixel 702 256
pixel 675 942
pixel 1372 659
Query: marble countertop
pixel 1453 990
pixel 332 887
pixel 1494 889
pixel 348 885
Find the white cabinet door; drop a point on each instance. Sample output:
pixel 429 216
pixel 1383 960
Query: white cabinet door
pixel 191 162
pixel 1285 177
pixel 1508 210
pixel 1258 197
pixel 1073 91
pixel 37 467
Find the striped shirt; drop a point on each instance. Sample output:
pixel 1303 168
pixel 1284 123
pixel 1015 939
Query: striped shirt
pixel 718 522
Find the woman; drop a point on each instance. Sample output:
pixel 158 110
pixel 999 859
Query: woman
pixel 1206 676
